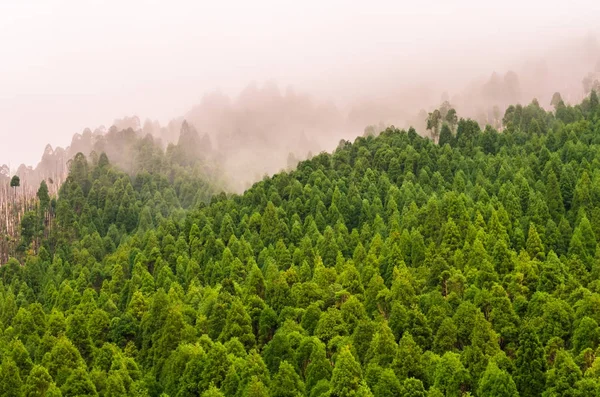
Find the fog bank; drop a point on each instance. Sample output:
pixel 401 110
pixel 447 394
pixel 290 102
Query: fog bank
pixel 270 78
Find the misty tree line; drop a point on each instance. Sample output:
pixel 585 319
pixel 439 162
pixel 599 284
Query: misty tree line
pixel 17 200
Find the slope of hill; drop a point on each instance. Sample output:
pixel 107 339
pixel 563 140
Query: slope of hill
pixel 391 267
pixel 188 167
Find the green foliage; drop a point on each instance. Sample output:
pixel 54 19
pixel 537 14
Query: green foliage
pixel 530 364
pixel 347 375
pixel 15 181
pixel 497 383
pixel 286 382
pixel 10 380
pixel 393 266
pixel 562 378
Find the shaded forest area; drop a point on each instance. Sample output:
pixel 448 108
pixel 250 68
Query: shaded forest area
pixel 393 266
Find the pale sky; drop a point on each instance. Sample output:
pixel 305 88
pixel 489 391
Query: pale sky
pixel 70 64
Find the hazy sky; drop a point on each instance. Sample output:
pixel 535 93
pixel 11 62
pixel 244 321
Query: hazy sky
pixel 66 65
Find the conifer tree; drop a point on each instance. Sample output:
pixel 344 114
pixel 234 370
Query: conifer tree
pixel 347 374
pixel 562 378
pixel 497 383
pixel 535 248
pixel 286 382
pixel 553 197
pixel 530 364
pixel 319 367
pixel 10 380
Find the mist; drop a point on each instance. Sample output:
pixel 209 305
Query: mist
pixel 272 82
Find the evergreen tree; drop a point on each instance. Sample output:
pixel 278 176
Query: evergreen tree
pixel 286 383
pixel 563 377
pixel 388 385
pixel 238 325
pixel 496 382
pixel 535 248
pixel 38 382
pixel 451 378
pixel 10 380
pixel 553 197
pixel 347 374
pixel 78 384
pixel 319 368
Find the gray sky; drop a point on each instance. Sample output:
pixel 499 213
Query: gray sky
pixel 66 65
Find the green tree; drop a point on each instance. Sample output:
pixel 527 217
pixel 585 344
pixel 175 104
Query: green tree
pixel 286 382
pixel 586 335
pixel 256 388
pixel 43 196
pixel 388 385
pixel 553 197
pixel 319 368
pixel 78 384
pixel 10 380
pixel 562 377
pixel 497 383
pixel 446 337
pixel 238 325
pixel 433 123
pixel 408 360
pixel 535 249
pixel 446 136
pixel 451 378
pixel 38 382
pixel 212 391
pixel 383 347
pixel 347 374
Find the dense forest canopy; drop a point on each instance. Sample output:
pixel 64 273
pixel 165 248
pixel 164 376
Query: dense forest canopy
pixel 394 266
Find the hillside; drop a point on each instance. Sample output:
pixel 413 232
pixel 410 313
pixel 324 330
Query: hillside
pixel 186 171
pixel 393 266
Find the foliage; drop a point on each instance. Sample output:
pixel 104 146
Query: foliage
pixel 393 266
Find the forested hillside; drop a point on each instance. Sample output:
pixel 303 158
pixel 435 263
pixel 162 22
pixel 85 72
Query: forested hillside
pixel 184 174
pixel 394 266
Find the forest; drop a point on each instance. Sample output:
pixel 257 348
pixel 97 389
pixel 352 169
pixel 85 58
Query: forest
pixel 398 265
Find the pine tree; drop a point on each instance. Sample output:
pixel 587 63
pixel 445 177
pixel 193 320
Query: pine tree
pixel 269 224
pixel 407 363
pixel 212 391
pixel 586 239
pixel 78 333
pixel 586 335
pixel 383 347
pixel 446 136
pixel 256 388
pixel 216 367
pixel 446 337
pixel 551 274
pixel 413 388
